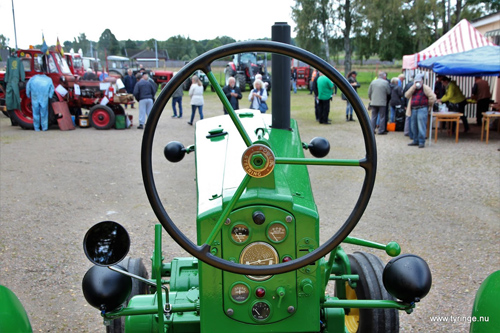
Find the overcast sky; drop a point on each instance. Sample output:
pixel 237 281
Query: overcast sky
pixel 141 19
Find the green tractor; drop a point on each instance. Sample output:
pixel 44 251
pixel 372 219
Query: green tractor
pixel 258 264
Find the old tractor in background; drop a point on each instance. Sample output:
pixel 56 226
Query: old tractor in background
pixel 258 264
pixel 76 92
pixel 118 66
pixel 304 73
pixel 244 67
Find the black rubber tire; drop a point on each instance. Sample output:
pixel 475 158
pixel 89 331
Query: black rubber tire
pixel 242 81
pixel 108 120
pixel 134 266
pixel 19 121
pixel 370 287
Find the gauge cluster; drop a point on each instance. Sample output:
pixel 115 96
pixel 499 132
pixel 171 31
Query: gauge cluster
pixel 260 235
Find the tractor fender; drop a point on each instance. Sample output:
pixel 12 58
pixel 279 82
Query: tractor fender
pixel 486 306
pixel 13 316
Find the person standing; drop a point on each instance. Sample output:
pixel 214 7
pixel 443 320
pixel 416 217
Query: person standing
pixel 377 93
pixel 196 94
pixel 314 75
pixel 129 81
pixel 351 78
pixel 233 94
pixel 294 79
pixel 177 99
pixel 481 93
pixel 421 99
pixel 395 101
pixel 40 89
pixel 144 93
pixel 325 92
pixel 258 96
pixel 456 100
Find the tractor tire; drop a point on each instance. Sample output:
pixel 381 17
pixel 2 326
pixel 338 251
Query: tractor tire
pixel 101 117
pixel 241 81
pixel 370 287
pixel 134 266
pixel 20 119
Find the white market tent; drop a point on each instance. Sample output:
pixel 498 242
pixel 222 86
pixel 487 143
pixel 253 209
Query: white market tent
pixel 462 37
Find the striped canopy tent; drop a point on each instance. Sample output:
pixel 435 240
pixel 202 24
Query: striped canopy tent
pixel 462 37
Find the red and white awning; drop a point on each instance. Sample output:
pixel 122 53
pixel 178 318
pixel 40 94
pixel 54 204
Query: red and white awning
pixel 462 37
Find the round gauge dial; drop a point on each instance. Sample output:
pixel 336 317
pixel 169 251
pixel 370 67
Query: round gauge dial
pixel 261 311
pixel 240 292
pixel 259 254
pixel 240 233
pixel 277 232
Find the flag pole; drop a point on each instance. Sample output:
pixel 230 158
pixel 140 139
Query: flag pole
pixel 14 18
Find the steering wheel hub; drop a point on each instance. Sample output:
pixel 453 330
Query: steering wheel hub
pixel 258 161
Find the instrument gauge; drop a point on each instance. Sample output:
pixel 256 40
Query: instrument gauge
pixel 261 311
pixel 240 233
pixel 259 254
pixel 240 292
pixel 277 232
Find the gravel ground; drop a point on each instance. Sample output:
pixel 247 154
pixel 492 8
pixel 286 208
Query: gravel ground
pixel 441 203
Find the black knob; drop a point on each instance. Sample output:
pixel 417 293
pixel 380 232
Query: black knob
pixel 174 151
pixel 258 217
pixel 319 147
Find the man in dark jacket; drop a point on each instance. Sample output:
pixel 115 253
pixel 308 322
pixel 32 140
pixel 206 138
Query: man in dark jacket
pixel 129 81
pixel 144 93
pixel 233 94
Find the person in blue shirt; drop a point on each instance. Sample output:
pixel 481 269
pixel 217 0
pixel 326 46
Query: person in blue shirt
pixel 40 89
pixel 103 76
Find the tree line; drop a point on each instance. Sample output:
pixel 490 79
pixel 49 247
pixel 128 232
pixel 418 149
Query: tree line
pixel 388 29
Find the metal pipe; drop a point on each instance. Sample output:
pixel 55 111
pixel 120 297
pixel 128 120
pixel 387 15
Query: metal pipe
pixel 281 78
pixel 14 19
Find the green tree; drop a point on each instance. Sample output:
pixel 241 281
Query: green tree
pixel 309 34
pixel 108 42
pixel 81 42
pixel 4 41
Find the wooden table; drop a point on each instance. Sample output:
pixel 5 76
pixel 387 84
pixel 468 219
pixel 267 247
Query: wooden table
pixel 487 116
pixel 447 117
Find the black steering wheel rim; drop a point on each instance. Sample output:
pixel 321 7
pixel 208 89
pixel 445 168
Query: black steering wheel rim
pixel 369 163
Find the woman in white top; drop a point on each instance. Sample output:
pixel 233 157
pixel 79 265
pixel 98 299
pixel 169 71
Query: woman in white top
pixel 258 95
pixel 196 94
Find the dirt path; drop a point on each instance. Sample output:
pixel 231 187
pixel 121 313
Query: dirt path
pixel 441 203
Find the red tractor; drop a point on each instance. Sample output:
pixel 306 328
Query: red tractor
pixel 92 94
pixel 244 68
pixel 75 63
pixel 304 73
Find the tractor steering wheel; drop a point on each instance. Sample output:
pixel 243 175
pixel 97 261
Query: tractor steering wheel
pixel 369 163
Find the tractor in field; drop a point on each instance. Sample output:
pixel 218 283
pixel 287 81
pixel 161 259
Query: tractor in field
pixel 76 92
pixel 244 68
pixel 258 264
pixel 304 73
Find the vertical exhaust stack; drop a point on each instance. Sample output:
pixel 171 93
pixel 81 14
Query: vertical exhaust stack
pixel 281 78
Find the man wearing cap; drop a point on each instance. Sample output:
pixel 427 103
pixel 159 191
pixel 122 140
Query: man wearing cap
pixel 420 99
pixel 351 78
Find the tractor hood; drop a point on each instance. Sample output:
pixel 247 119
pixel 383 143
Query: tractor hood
pixel 219 149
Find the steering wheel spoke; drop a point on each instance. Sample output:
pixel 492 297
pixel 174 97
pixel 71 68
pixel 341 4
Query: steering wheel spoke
pixel 229 108
pixel 317 161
